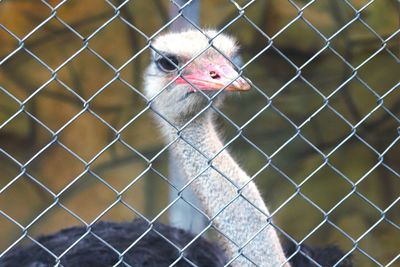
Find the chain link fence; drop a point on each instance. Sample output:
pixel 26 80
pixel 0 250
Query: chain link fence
pixel 319 133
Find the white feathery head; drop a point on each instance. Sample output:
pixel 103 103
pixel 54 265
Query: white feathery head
pixel 192 42
pixel 185 63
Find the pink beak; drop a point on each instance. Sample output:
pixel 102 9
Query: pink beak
pixel 215 77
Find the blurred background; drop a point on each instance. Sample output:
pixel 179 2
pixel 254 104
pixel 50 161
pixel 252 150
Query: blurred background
pixel 330 130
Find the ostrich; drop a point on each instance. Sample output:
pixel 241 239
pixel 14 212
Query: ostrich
pixel 186 79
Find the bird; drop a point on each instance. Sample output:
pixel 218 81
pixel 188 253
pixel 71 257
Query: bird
pixel 189 75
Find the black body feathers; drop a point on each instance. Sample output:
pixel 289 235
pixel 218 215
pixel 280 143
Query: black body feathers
pixel 151 249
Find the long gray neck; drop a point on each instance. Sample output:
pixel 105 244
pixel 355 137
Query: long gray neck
pixel 227 195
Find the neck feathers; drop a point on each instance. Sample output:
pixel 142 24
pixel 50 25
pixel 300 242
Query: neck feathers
pixel 227 195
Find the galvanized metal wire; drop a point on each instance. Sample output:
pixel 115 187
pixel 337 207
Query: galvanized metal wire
pixel 87 107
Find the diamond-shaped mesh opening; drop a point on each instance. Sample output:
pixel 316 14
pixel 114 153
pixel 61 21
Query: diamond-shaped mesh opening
pixel 60 164
pixel 119 165
pixel 382 25
pixel 29 200
pixel 143 136
pixel 354 216
pixel 220 14
pixel 62 105
pixel 354 32
pixel 326 136
pixel 364 164
pixel 273 66
pixel 32 137
pixel 381 235
pixel 252 16
pixel 354 101
pixel 232 115
pixel 272 177
pixel 326 188
pixel 75 197
pixel 294 156
pixel 243 26
pixel 83 142
pixel 134 197
pixel 52 50
pixel 303 52
pixel 270 12
pixel 18 66
pixel 308 101
pixel 327 16
pixel 85 19
pixel 304 225
pixel 159 17
pixel 370 73
pixel 274 138
pixel 55 219
pixel 21 12
pixel 117 104
pixel 379 130
pixel 86 74
pixel 135 44
pixel 360 257
pixel 328 234
pixel 315 72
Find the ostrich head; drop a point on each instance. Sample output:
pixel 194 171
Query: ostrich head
pixel 188 69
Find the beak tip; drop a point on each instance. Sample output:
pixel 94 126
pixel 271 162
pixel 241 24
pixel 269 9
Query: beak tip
pixel 246 86
pixel 242 85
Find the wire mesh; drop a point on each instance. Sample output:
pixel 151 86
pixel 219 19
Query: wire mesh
pixel 74 118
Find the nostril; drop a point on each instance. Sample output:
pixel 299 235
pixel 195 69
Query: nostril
pixel 214 75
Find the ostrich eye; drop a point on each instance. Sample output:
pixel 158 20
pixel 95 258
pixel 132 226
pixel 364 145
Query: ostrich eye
pixel 167 63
